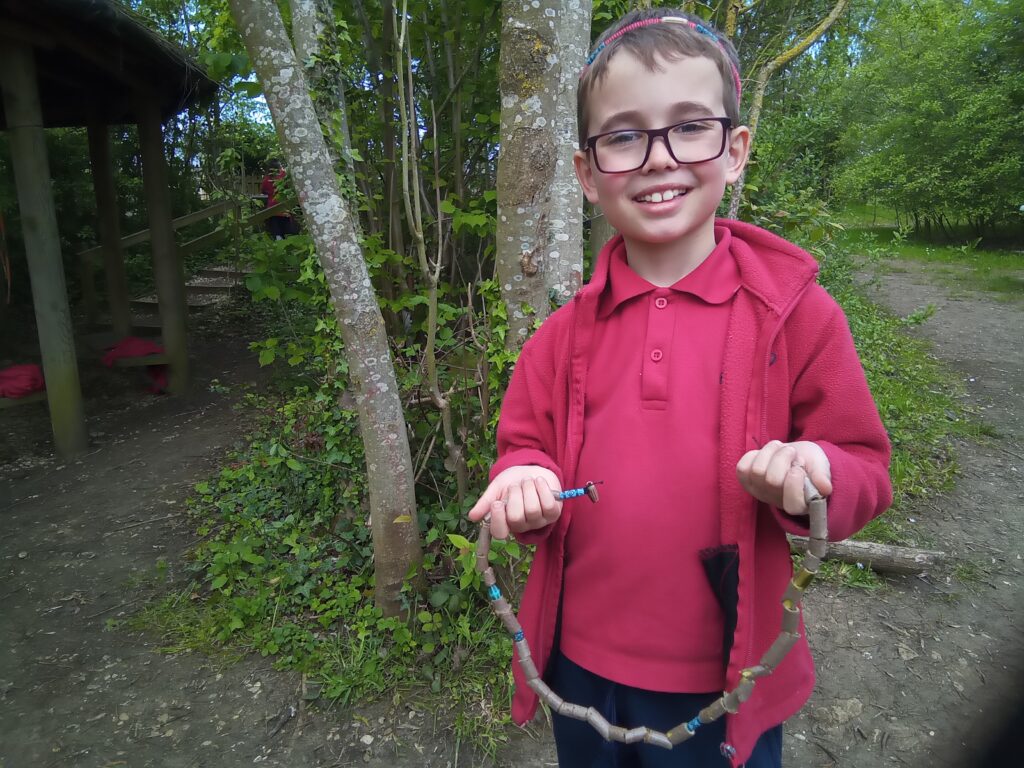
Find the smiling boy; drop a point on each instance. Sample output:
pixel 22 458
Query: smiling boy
pixel 702 374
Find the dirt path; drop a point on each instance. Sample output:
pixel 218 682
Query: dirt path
pixel 915 674
pixel 83 542
pixel 905 674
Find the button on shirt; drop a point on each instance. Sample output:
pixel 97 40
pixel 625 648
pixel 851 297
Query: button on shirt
pixel 637 606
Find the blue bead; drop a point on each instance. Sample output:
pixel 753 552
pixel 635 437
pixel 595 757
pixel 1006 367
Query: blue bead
pixel 519 636
pixel 493 592
pixel 694 724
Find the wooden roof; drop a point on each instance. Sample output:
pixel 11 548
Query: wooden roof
pixel 94 57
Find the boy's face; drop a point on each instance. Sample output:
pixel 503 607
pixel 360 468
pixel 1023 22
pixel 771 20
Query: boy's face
pixel 632 97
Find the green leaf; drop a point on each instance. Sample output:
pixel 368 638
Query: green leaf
pixel 219 582
pixel 248 88
pixel 459 541
pixel 295 465
pixel 267 356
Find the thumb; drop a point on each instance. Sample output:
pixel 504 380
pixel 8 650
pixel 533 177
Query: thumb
pixel 821 478
pixel 483 504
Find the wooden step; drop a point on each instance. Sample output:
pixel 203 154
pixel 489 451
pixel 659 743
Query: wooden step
pixel 146 325
pixel 134 362
pixel 225 271
pixel 221 285
pixel 13 402
pixel 101 341
pixel 193 301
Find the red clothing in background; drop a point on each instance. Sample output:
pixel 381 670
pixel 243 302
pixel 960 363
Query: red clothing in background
pixel 21 380
pixel 132 346
pixel 268 186
pixel 789 372
pixel 656 422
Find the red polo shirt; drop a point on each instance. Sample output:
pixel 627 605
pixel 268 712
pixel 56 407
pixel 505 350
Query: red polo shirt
pixel 637 607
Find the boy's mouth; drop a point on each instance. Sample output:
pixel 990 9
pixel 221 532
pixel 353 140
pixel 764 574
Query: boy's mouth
pixel 661 197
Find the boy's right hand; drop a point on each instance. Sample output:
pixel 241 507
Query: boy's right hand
pixel 519 499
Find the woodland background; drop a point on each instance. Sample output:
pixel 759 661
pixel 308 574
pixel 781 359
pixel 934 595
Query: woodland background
pixel 896 129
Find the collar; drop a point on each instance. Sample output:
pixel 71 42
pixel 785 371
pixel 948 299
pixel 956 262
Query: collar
pixel 714 281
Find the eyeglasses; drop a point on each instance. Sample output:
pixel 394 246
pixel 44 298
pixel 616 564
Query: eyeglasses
pixel 688 142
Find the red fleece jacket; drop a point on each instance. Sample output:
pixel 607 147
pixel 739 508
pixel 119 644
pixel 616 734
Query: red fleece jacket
pixel 790 372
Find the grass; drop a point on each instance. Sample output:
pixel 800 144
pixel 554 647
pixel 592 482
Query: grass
pixel 962 265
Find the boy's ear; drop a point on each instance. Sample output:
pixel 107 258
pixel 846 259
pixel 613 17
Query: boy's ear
pixel 737 153
pixel 585 174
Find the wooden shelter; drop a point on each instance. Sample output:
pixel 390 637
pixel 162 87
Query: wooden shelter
pixel 92 63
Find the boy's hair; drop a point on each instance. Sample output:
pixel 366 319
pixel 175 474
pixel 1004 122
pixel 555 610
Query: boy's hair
pixel 649 40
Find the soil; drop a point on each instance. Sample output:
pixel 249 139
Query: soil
pixel 916 673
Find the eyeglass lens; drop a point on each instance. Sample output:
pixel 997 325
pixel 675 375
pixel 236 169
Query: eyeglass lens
pixel 694 141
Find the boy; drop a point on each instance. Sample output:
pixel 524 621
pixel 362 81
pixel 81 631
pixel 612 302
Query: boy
pixel 701 375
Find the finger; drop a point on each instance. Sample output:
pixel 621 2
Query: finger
pixel 822 480
pixel 746 462
pixel 793 492
pixel 514 508
pixel 499 525
pixel 764 458
pixel 778 468
pixel 531 504
pixel 744 469
pixel 483 504
pixel 550 507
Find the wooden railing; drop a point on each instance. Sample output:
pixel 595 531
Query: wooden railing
pixel 88 259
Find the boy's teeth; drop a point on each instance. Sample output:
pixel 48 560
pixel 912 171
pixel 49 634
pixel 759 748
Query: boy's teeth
pixel 661 197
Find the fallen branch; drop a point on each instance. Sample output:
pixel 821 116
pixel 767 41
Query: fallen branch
pixel 884 558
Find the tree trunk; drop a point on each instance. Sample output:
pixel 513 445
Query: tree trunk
pixel 600 231
pixel 313 30
pixel 540 206
pixel 396 544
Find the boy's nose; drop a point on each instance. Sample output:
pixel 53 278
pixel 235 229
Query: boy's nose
pixel 660 156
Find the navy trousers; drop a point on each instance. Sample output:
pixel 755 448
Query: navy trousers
pixel 580 746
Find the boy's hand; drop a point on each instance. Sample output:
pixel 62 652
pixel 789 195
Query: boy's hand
pixel 519 499
pixel 775 474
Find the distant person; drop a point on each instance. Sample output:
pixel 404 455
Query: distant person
pixel 282 225
pixel 702 374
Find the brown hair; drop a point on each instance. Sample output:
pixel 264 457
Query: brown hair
pixel 651 42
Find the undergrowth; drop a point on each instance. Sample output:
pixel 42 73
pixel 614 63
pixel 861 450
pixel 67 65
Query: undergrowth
pixel 285 564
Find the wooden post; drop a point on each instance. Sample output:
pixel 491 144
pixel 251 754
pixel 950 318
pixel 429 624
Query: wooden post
pixel 109 228
pixel 42 245
pixel 167 267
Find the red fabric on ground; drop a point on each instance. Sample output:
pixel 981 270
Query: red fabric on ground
pixel 21 381
pixel 132 346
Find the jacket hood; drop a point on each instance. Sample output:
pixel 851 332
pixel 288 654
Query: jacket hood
pixel 772 269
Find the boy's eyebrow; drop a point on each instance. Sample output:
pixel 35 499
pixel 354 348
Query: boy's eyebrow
pixel 634 118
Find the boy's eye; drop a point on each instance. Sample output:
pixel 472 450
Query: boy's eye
pixel 622 138
pixel 691 127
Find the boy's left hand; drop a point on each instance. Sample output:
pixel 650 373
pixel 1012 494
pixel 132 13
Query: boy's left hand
pixel 775 474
